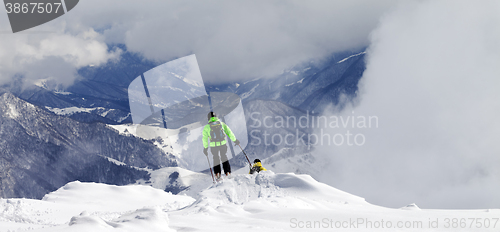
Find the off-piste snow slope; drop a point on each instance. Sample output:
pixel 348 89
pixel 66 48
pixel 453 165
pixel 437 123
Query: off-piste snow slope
pixel 259 202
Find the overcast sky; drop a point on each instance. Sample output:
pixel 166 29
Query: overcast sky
pixel 233 40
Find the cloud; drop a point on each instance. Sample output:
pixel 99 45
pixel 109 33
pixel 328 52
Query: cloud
pixel 432 80
pixel 53 51
pixel 233 40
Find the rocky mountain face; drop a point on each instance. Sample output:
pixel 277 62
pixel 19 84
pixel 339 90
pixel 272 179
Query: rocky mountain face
pixel 311 86
pixel 41 151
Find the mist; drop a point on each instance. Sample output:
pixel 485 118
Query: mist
pixel 432 80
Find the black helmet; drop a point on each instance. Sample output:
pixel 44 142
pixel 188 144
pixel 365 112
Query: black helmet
pixel 256 160
pixel 211 114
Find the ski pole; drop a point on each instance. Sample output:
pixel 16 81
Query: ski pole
pixel 210 166
pixel 245 156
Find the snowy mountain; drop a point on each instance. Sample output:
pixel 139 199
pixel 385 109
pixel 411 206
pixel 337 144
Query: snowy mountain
pixel 262 202
pixel 310 86
pixel 41 151
pixel 101 96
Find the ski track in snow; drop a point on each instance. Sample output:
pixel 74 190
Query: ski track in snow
pixel 259 202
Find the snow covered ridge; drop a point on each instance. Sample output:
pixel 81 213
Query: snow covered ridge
pixel 361 53
pixel 262 202
pixel 101 111
pixel 72 110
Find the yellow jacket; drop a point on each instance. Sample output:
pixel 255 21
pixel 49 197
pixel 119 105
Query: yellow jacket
pixel 257 167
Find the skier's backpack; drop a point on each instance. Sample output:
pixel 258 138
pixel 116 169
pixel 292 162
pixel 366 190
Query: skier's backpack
pixel 216 132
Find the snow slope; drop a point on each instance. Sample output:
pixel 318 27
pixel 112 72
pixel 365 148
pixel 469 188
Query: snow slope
pixel 259 202
pixel 91 207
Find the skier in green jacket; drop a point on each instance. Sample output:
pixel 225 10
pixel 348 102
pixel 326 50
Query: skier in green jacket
pixel 216 132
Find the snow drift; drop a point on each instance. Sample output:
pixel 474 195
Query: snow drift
pixel 264 201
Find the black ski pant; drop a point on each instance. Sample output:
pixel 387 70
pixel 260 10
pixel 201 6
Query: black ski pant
pixel 222 150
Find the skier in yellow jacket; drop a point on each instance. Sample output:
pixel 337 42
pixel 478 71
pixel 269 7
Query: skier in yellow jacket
pixel 257 167
pixel 216 132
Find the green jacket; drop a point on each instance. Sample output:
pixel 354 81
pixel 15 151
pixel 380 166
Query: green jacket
pixel 206 134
